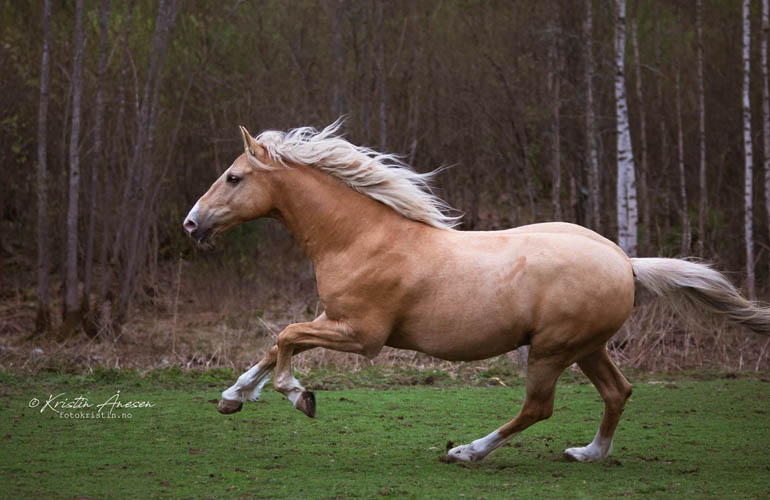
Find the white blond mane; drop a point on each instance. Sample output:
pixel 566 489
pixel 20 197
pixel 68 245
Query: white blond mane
pixel 383 177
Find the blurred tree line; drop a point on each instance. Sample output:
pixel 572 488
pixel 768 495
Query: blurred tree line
pixel 117 115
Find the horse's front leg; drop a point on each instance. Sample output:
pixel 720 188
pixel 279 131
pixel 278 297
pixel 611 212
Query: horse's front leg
pixel 297 337
pixel 249 385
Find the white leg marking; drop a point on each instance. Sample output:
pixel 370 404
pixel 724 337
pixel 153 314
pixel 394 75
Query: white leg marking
pixel 293 396
pixel 244 389
pixel 599 448
pixel 479 448
pixel 289 386
pixel 257 391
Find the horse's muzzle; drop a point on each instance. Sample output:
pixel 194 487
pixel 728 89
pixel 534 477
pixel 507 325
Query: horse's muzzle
pixel 200 232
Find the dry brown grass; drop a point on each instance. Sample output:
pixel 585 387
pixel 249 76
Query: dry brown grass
pixel 210 314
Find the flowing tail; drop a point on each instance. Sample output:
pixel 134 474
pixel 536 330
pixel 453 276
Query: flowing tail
pixel 698 284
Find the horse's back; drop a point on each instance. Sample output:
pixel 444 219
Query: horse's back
pixel 564 228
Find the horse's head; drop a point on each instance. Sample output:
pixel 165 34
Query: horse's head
pixel 239 195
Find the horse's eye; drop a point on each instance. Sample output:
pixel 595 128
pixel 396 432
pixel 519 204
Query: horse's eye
pixel 233 179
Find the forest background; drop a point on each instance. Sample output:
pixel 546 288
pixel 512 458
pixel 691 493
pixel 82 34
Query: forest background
pixel 117 116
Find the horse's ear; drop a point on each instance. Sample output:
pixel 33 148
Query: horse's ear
pixel 252 146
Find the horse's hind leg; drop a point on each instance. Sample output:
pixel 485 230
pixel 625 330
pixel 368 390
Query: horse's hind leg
pixel 615 390
pixel 542 374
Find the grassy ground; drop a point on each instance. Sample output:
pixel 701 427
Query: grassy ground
pixel 678 439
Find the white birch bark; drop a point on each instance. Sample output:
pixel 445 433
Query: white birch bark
pixel 72 309
pixel 42 322
pixel 766 106
pixel 626 186
pixel 703 201
pixel 594 201
pixel 749 155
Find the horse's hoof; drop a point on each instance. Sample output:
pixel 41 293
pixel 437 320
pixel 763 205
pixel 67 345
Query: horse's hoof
pixel 306 403
pixel 452 459
pixel 227 406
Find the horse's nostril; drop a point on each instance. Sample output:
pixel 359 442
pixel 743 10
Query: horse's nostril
pixel 190 225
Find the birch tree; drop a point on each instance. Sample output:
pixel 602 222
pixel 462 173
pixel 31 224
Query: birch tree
pixel 71 305
pixel 626 185
pixel 703 199
pixel 748 220
pixel 594 201
pixel 43 320
pixel 766 108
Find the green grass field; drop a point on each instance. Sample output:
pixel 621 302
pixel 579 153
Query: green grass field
pixel 678 439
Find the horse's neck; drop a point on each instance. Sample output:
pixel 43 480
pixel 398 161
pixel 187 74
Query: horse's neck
pixel 326 216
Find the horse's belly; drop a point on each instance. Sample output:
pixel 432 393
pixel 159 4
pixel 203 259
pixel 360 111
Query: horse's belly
pixel 461 336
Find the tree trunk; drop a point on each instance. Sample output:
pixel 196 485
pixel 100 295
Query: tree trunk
pixel 643 165
pixel 664 156
pixel 766 110
pixel 363 63
pixel 118 147
pixel 554 84
pixel 594 200
pixel 382 73
pixel 685 216
pixel 338 51
pixel 43 320
pixel 97 163
pixel 142 159
pixel 72 305
pixel 529 174
pixel 703 200
pixel 626 186
pixel 749 156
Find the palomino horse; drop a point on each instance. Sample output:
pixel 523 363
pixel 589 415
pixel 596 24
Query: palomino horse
pixel 391 271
